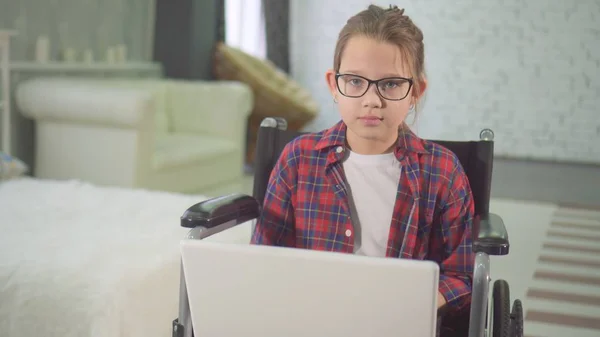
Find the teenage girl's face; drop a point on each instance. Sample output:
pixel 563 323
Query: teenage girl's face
pixel 372 120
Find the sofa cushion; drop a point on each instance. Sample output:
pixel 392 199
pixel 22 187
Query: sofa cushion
pixel 173 150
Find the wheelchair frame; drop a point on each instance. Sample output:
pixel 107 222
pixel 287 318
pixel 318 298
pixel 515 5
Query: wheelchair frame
pixel 490 238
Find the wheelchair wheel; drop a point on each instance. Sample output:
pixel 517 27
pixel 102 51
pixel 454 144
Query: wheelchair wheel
pixel 516 319
pixel 501 309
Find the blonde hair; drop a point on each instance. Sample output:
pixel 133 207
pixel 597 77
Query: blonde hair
pixel 387 25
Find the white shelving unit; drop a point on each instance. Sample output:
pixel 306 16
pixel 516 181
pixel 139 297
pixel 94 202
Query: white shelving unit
pixel 91 68
pixel 5 36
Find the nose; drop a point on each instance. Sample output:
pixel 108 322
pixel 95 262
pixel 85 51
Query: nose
pixel 372 99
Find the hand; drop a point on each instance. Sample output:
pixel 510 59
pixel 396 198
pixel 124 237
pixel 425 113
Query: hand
pixel 441 300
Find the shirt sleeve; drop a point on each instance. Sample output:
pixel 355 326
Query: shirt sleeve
pixel 276 223
pixel 455 238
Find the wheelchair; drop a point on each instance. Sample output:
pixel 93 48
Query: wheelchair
pixel 482 318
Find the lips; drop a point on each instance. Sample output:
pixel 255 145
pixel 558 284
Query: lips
pixel 370 121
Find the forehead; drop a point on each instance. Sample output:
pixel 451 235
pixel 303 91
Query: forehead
pixel 374 59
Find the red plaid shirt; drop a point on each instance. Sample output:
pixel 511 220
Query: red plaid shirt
pixel 306 206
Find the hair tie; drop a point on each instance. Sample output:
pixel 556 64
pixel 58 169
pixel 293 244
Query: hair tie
pixel 395 8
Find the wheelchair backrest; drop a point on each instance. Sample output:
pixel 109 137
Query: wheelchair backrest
pixel 476 157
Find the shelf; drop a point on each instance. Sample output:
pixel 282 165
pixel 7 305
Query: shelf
pixel 98 66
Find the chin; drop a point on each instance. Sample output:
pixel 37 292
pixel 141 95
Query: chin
pixel 369 133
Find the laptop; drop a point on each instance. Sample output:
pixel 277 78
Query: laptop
pixel 264 291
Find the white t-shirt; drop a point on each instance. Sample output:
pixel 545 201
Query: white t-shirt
pixel 373 184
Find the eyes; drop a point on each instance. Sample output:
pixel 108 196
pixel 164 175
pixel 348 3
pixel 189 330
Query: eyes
pixel 384 84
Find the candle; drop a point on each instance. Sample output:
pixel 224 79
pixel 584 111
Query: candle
pixel 121 53
pixel 88 56
pixel 110 55
pixel 70 55
pixel 42 49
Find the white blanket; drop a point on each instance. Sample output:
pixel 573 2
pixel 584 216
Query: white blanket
pixel 79 260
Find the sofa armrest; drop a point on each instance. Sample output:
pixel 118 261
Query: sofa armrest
pixel 218 108
pixel 83 101
pixel 490 235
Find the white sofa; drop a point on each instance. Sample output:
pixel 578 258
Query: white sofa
pixel 159 134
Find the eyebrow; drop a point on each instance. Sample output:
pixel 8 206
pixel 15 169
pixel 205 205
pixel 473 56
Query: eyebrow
pixel 384 75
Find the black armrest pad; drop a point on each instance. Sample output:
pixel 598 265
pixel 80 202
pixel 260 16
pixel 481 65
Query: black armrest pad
pixel 490 235
pixel 217 211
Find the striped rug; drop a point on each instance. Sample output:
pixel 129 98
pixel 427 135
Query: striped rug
pixel 563 292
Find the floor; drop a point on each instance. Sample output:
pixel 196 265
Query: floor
pixel 552 214
pixel 553 266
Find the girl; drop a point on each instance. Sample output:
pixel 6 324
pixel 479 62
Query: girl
pixel 368 185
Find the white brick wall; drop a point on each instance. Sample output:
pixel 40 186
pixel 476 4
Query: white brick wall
pixel 529 70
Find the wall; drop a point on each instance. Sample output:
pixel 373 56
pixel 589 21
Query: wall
pixel 529 70
pixel 80 24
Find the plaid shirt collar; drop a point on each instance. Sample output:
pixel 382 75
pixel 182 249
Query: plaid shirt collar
pixel 336 136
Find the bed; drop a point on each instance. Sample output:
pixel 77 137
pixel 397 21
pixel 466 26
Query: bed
pixel 83 260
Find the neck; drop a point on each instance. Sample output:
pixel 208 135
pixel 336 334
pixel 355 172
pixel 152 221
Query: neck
pixel 370 146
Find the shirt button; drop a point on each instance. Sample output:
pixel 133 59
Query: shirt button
pixel 339 149
pixel 348 232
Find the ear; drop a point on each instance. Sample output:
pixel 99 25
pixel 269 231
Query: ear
pixel 330 79
pixel 423 87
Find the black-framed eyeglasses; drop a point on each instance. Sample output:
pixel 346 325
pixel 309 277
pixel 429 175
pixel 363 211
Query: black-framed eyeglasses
pixel 390 88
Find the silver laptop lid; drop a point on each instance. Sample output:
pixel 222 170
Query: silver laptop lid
pixel 247 290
